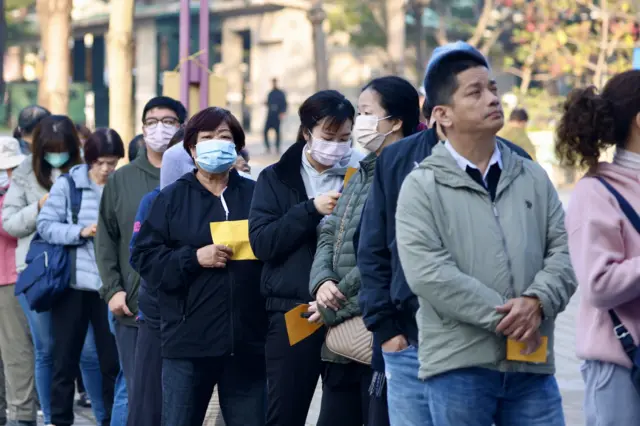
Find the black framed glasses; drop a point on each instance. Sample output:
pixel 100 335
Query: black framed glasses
pixel 150 123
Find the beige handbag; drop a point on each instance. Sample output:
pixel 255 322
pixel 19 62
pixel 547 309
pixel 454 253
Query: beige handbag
pixel 352 340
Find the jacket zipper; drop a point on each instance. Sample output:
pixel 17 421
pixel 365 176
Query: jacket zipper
pixel 503 238
pixel 232 282
pixel 184 307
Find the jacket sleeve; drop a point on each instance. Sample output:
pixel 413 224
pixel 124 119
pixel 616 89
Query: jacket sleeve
pixel 431 272
pixel 52 221
pixel 161 265
pixel 141 215
pixel 18 216
pixel 274 233
pixel 322 268
pixel 107 243
pixel 374 261
pixel 556 282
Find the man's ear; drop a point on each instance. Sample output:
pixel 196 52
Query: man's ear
pixel 442 115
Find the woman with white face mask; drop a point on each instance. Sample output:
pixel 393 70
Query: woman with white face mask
pixel 291 199
pixel 389 111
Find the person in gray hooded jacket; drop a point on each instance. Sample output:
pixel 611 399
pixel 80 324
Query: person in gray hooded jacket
pixel 482 243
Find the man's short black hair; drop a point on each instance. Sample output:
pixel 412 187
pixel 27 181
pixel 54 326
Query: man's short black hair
pixel 168 103
pixel 519 114
pixel 443 78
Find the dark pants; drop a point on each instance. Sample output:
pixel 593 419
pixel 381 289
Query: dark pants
pixel 126 339
pixel 378 408
pixel 187 387
pixel 146 399
pixel 292 373
pixel 70 319
pixel 345 395
pixel 272 123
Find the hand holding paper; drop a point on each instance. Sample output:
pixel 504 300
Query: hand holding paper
pixel 234 234
pixel 299 328
pixel 214 256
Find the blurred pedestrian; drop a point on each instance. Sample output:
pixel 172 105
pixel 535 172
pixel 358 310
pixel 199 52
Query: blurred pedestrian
pixel 136 146
pixel 604 243
pixel 16 347
pixel 212 315
pixel 276 109
pixel 28 120
pixel 291 200
pixel 516 131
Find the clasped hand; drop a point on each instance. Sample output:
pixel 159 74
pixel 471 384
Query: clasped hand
pixel 521 322
pixel 214 256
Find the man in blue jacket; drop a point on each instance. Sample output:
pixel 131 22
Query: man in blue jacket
pixel 387 303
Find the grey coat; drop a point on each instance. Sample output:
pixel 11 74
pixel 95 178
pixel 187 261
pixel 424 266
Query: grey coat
pixel 463 255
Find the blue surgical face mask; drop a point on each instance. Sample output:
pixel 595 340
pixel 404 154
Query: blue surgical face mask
pixel 56 159
pixel 216 155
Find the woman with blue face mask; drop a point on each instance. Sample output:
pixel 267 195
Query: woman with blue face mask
pixel 56 149
pixel 212 315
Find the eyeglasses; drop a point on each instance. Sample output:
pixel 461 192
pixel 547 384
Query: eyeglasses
pixel 167 121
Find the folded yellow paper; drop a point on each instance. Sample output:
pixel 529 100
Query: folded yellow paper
pixel 350 172
pixel 235 234
pixel 515 348
pixel 299 328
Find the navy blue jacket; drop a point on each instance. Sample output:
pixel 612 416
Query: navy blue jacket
pixel 282 231
pixel 205 312
pixel 387 303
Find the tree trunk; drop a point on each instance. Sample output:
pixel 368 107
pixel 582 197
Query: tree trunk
pixel 3 46
pixel 58 56
pixel 120 63
pixel 421 43
pixel 396 35
pixel 42 10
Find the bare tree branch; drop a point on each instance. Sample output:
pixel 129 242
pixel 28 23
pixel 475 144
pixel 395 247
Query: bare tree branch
pixel 482 24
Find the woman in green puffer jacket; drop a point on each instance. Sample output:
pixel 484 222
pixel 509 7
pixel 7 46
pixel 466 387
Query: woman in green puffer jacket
pixel 388 111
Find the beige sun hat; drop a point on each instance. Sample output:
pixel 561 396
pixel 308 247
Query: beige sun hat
pixel 10 154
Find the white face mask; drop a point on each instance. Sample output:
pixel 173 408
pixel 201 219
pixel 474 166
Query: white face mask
pixel 158 138
pixel 366 132
pixel 4 179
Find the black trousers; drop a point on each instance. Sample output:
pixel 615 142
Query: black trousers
pixel 145 408
pixel 292 373
pixel 345 395
pixel 70 319
pixel 272 123
pixel 378 409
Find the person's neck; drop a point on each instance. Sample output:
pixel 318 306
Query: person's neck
pixel 28 139
pixel 477 149
pixel 155 158
pixel 518 124
pixel 214 182
pixel 319 167
pixel 96 177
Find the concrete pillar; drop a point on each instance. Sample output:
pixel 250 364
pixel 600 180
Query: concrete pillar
pixel 396 30
pixel 13 62
pixel 232 55
pixel 146 42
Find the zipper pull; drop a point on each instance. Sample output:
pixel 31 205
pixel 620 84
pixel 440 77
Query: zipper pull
pixel 495 210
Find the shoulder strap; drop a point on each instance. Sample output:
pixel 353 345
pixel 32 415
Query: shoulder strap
pixel 75 196
pixel 621 332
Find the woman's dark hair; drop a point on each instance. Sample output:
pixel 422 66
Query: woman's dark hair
pixel 55 133
pixel 83 132
pixel 177 137
pixel 103 143
pixel 135 146
pixel 209 119
pixel 399 99
pixel 594 121
pixel 329 104
pixel 28 119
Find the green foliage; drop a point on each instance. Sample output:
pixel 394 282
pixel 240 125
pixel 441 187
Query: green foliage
pixel 363 21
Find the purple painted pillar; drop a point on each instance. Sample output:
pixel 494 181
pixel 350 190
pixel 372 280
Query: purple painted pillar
pixel 204 57
pixel 189 72
pixel 185 28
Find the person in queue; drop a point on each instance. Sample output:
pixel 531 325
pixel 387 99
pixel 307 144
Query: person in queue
pixel 604 243
pixel 388 305
pixel 56 150
pixel 16 348
pixel 81 307
pixel 213 318
pixel 148 363
pixel 516 131
pixel 28 120
pixel 481 240
pixel 292 197
pixel 161 118
pixel 136 146
pixel 388 111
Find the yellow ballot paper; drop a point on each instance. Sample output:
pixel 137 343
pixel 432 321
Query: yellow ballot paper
pixel 350 172
pixel 299 328
pixel 514 349
pixel 235 234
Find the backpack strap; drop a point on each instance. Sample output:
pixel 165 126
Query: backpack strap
pixel 75 196
pixel 621 332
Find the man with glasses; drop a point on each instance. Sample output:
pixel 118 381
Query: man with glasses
pixel 161 118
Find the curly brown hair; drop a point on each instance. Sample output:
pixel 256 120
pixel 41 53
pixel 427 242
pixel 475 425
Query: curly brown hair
pixel 593 122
